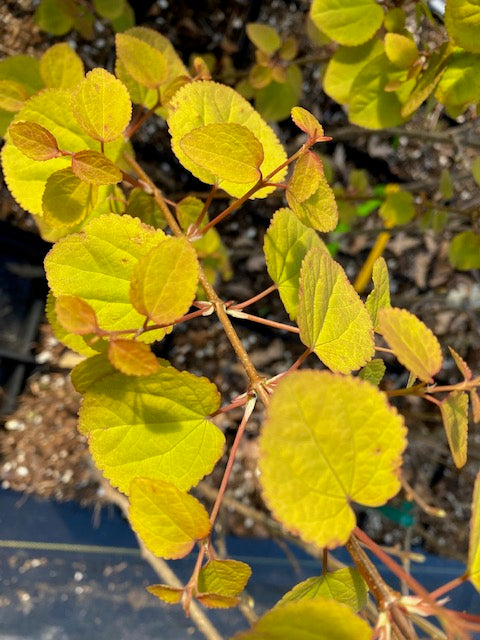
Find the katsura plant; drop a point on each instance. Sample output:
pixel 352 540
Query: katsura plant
pixel 129 265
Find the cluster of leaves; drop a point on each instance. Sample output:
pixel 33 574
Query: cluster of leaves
pixel 129 265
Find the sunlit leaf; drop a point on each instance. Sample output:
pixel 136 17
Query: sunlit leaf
pixel 61 67
pixel 33 140
pixel 263 37
pixel 170 595
pixel 286 243
pixel 464 251
pixel 314 415
pixel 333 321
pixel 164 281
pixel 462 19
pixel 379 298
pixel 228 151
pixel 400 50
pixel 95 168
pixel 414 344
pixel 101 105
pixel 217 601
pixel 462 366
pixel 349 22
pixel 306 177
pixel 307 122
pixel 132 358
pixel 155 426
pixel 73 341
pixel 398 208
pixel 454 410
pixel 67 200
pixel 373 371
pixel 224 105
pixel 146 64
pixel 12 95
pixel 275 101
pixel 345 585
pixel 460 83
pixel 427 80
pixel 223 577
pixel 76 315
pixel 168 520
pixel 473 565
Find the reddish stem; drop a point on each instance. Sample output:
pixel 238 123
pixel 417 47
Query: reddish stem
pixel 448 586
pixel 247 303
pixel 259 320
pixel 206 206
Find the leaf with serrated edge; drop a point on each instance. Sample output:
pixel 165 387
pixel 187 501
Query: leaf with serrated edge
pixel 217 600
pixel 307 122
pixel 132 358
pixel 168 520
pixel 473 565
pixel 264 37
pixel 95 168
pixel 73 341
pixel 155 426
pixel 349 22
pixel 379 298
pixel 67 200
pixel 462 366
pixel 228 151
pixel 345 585
pixel 318 619
pixel 97 266
pixel 170 595
pixel 373 371
pixel 475 400
pixel 164 281
pixel 306 177
pixel 146 65
pixel 286 243
pixel 414 345
pixel 307 484
pixel 76 315
pixel 454 410
pixel 332 319
pixel 223 577
pixel 91 370
pixel 201 103
pixel 101 105
pixel 61 67
pixel 33 140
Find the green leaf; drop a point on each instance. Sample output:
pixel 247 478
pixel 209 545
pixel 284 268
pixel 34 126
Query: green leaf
pixel 12 95
pixel 275 102
pixel 446 184
pixel 166 593
pixel 309 487
pixel 147 65
pixel 394 20
pixel 462 19
pixel 373 371
pixel 101 105
pixel 379 298
pixel 97 266
pixel 76 315
pixel 223 577
pixel 332 319
pixel 73 341
pixel 164 281
pixel 344 66
pixel 224 105
pixel 309 195
pixel 427 80
pixel 345 585
pixel 263 37
pixel 460 82
pixel 476 170
pixel 95 168
pixel 414 344
pixel 22 70
pixel 132 358
pixel 227 151
pixel 464 251
pixel 168 521
pixel 142 205
pixel 307 122
pixel 109 9
pixel 90 371
pixel 55 16
pixel 454 410
pixel 397 208
pixel 154 426
pixel 61 67
pixel 473 565
pixel 286 244
pixel 349 22
pixel 401 50
pixel 33 140
pixel 259 76
pixel 126 20
pixel 67 200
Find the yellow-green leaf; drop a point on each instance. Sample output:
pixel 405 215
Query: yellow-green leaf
pixel 286 244
pixel 333 321
pixel 310 196
pixel 142 205
pixel 454 410
pixel 76 315
pixel 373 371
pixel 97 266
pixel 223 577
pixel 345 585
pixel 217 601
pixel 259 76
pixel 33 140
pixel 125 20
pixel 168 520
pixel 109 9
pixel 349 22
pixel 275 101
pixel 314 415
pixel 55 16
pixel 95 168
pixel 462 19
pixel 475 400
pixel 401 50
pixel 101 105
pixel 318 619
pixel 61 67
pixel 155 426
pixel 146 65
pixel 379 298
pixel 23 69
pixel 473 565
pixel 132 358
pixel 165 280
pixel 307 122
pixel 398 208
pixel 395 20
pixel 67 200
pixel 201 103
pixel 73 341
pixel 344 66
pixel 464 251
pixel 91 370
pixel 414 344
pixel 460 82
pixel 228 151
pixel 170 595
pixel 263 37
pixel 462 366
pixel 12 95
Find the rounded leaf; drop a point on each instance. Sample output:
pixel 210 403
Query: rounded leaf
pixel 95 168
pixel 307 122
pixel 224 106
pixel 132 358
pixel 454 410
pixel 101 105
pixel 349 22
pixel 398 208
pixel 308 485
pixel 400 50
pixel 473 565
pixel 12 95
pixel 223 577
pixel 276 101
pixel 263 37
pixel 73 341
pixel 67 200
pixel 76 315
pixel 33 140
pixel 109 9
pixel 460 82
pixel 61 67
pixel 462 19
pixel 146 65
pixel 464 251
pixel 166 593
pixel 379 298
pixel 55 16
